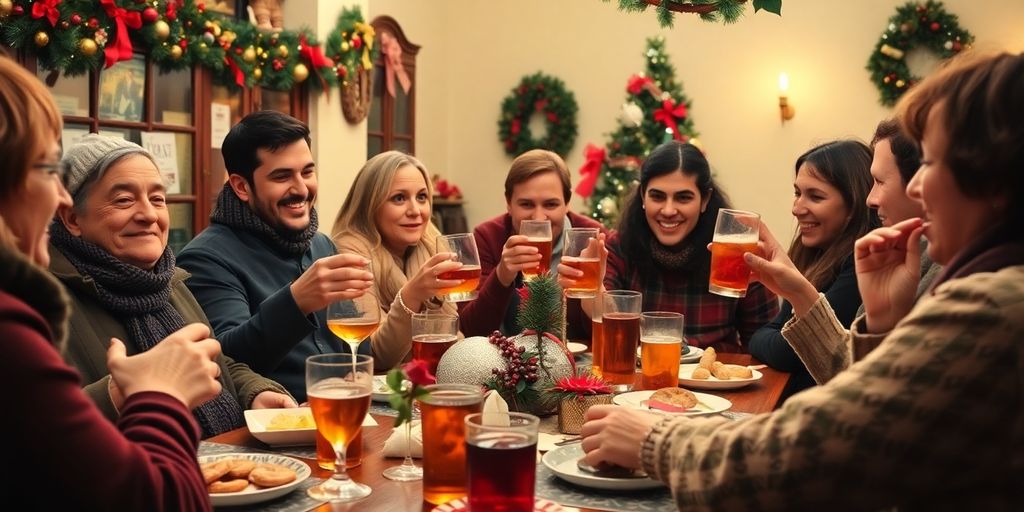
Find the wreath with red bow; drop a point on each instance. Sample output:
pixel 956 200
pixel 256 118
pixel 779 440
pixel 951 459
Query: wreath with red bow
pixel 544 95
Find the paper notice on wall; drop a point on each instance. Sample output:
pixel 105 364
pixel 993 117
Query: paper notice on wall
pixel 71 136
pixel 220 123
pixel 162 146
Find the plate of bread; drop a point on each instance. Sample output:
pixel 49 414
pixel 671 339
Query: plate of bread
pixel 673 401
pixel 709 373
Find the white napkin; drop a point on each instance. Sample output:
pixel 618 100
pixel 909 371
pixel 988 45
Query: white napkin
pixel 495 410
pixel 396 443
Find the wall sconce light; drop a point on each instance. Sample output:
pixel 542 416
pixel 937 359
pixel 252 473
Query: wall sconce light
pixel 785 109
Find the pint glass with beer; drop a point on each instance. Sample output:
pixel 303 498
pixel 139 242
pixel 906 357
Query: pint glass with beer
pixel 433 333
pixel 463 246
pixel 735 233
pixel 538 234
pixel 661 346
pixel 444 412
pixel 575 254
pixel 621 325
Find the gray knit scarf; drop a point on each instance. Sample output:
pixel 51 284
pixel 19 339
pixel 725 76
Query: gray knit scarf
pixel 141 299
pixel 236 214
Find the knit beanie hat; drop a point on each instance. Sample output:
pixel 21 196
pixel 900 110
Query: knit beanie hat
pixel 93 155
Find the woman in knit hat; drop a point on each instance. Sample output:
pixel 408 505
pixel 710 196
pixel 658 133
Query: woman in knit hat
pixel 110 251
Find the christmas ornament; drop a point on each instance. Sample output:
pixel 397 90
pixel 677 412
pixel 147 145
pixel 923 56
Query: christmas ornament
pixel 176 52
pixel 75 19
pixel 300 72
pixel 249 55
pixel 87 46
pixel 149 15
pixel 93 23
pixel 282 51
pixel 609 206
pixel 41 39
pixel 257 73
pixel 208 37
pixel 6 7
pixel 632 115
pixel 889 51
pixel 342 71
pixel 161 30
pixel 357 42
pixel 344 46
pixel 101 37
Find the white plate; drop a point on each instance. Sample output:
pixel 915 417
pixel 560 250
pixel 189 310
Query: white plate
pixel 692 354
pixel 252 494
pixel 259 419
pixel 686 380
pixel 706 404
pixel 575 347
pixel 562 462
pixel 381 391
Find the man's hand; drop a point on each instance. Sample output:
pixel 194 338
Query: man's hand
pixel 888 264
pixel 516 257
pixel 331 279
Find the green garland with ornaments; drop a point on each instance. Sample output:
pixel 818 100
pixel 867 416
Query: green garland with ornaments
pixel 77 36
pixel 926 25
pixel 545 95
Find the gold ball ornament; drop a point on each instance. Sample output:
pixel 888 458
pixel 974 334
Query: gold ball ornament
pixel 282 51
pixel 344 46
pixel 900 83
pixel 300 73
pixel 88 47
pixel 6 7
pixel 161 29
pixel 176 52
pixel 42 39
pixel 249 55
pixel 257 73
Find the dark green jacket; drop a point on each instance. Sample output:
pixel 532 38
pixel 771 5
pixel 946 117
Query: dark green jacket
pixel 91 326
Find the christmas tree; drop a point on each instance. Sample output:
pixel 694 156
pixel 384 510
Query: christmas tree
pixel 655 111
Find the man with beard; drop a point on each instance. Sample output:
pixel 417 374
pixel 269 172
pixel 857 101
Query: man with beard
pixel 261 271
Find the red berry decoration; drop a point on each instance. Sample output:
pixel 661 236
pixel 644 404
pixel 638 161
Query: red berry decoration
pixel 277 65
pixel 342 71
pixel 957 46
pixel 93 23
pixel 149 15
pixel 935 26
pixel 183 43
pixel 357 42
pixel 76 19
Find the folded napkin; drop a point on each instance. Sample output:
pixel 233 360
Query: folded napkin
pixel 396 444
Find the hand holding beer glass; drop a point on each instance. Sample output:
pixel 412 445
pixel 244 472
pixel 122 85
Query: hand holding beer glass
pixel 580 251
pixel 621 326
pixel 463 247
pixel 661 346
pixel 735 233
pixel 538 234
pixel 501 458
pixel 339 396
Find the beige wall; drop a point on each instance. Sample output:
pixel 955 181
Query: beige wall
pixel 475 51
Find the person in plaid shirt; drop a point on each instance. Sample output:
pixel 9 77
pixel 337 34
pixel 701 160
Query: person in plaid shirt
pixel 660 249
pixel 931 418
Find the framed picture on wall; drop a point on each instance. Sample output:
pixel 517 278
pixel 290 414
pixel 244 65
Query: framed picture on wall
pixel 123 89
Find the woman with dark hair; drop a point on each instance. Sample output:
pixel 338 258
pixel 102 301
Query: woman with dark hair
pixel 831 185
pixel 950 367
pixel 660 250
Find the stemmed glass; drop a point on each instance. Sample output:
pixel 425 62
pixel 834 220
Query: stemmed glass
pixel 354 320
pixel 339 389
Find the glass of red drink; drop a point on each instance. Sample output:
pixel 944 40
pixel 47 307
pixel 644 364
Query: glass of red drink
pixel 501 458
pixel 736 232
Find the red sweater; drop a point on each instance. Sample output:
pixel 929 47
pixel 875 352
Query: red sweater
pixel 494 303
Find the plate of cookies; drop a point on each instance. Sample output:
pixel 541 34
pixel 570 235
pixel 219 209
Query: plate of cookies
pixel 282 427
pixel 245 478
pixel 673 401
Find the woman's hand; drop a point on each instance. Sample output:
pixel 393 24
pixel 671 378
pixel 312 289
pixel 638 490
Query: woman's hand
pixel 272 400
pixel 426 283
pixel 888 264
pixel 778 273
pixel 182 365
pixel 516 257
pixel 615 434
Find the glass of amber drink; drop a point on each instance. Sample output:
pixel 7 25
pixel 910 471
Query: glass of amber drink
pixel 433 333
pixel 354 320
pixel 463 246
pixel 538 234
pixel 501 458
pixel 443 413
pixel 578 253
pixel 339 396
pixel 735 233
pixel 621 335
pixel 661 345
pixel 597 337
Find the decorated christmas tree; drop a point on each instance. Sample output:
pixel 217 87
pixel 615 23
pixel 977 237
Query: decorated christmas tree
pixel 655 111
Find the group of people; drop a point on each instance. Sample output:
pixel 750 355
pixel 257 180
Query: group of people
pixel 129 355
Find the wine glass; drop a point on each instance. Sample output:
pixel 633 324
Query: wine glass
pixel 339 389
pixel 354 320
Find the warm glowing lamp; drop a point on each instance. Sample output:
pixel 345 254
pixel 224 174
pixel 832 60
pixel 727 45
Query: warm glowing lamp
pixel 785 109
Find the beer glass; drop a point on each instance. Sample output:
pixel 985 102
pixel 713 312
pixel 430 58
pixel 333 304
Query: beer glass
pixel 325 452
pixel 575 255
pixel 339 390
pixel 501 458
pixel 463 246
pixel 354 320
pixel 433 333
pixel 621 325
pixel 661 345
pixel 735 234
pixel 443 414
pixel 538 234
pixel 596 337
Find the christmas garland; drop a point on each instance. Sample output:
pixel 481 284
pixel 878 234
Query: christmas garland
pixel 76 36
pixel 726 11
pixel 927 25
pixel 546 95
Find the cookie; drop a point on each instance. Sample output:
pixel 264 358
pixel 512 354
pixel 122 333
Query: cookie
pixel 223 486
pixel 271 475
pixel 240 468
pixel 213 471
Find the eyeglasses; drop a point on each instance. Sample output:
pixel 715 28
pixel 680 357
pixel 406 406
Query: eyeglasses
pixel 60 168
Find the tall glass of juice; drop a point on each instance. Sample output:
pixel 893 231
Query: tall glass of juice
pixel 501 457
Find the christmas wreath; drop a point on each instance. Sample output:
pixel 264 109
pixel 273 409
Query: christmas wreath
pixel 544 95
pixel 927 25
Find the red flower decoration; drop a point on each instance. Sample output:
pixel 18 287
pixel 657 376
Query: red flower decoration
pixel 418 372
pixel 581 385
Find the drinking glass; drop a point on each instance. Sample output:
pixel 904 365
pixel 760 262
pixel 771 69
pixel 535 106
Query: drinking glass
pixel 463 246
pixel 339 390
pixel 501 458
pixel 597 337
pixel 621 325
pixel 433 333
pixel 538 234
pixel 575 255
pixel 444 439
pixel 661 345
pixel 354 320
pixel 325 452
pixel 735 233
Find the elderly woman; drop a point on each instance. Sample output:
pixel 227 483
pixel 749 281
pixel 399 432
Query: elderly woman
pixel 929 420
pixel 58 437
pixel 386 218
pixel 110 251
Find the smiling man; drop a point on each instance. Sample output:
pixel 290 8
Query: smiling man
pixel 261 271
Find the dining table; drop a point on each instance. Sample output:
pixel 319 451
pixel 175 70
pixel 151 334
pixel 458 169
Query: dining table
pixel 392 496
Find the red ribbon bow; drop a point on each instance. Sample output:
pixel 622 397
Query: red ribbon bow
pixel 636 83
pixel 591 169
pixel 235 70
pixel 393 63
pixel 47 8
pixel 123 19
pixel 668 113
pixel 316 59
